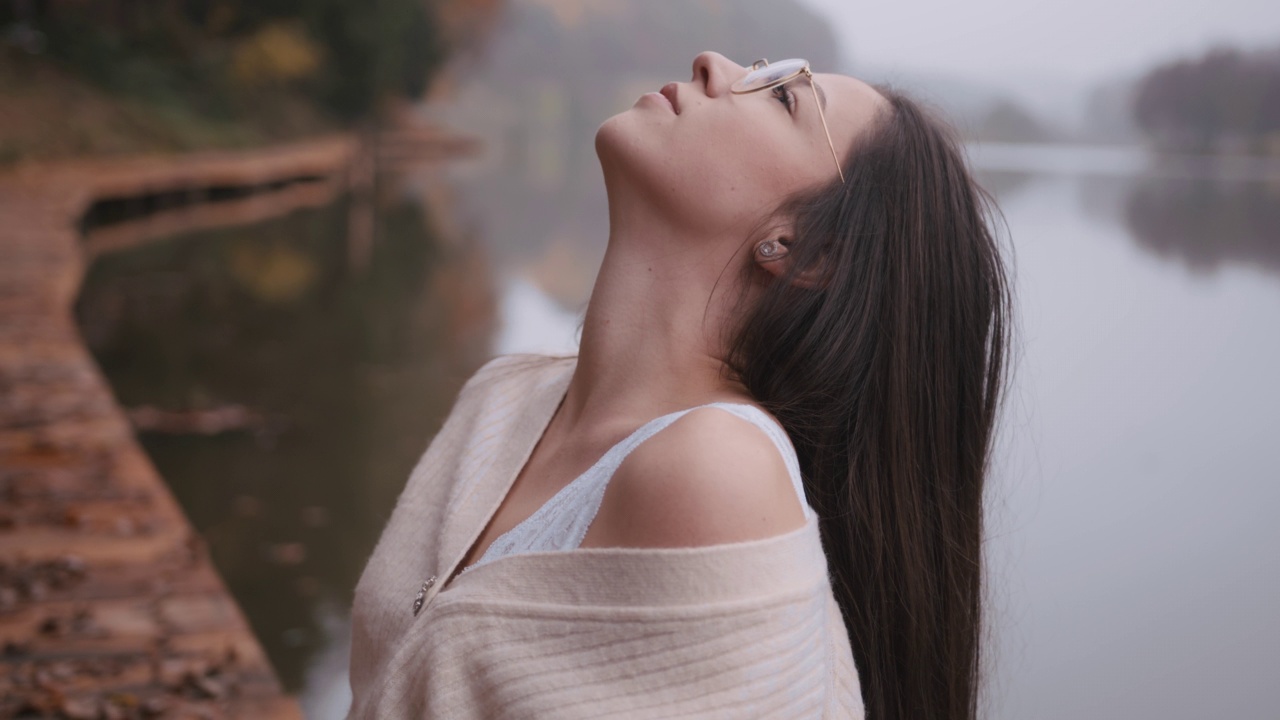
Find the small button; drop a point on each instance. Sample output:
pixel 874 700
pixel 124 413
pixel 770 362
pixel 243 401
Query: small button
pixel 422 594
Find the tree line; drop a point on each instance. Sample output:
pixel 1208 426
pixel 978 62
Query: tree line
pixel 220 57
pixel 1226 99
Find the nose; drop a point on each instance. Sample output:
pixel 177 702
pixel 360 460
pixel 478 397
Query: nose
pixel 716 72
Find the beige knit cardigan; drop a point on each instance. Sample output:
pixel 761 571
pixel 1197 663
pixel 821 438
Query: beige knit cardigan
pixel 742 630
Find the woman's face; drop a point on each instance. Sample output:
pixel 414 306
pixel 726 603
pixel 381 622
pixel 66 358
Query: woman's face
pixel 714 161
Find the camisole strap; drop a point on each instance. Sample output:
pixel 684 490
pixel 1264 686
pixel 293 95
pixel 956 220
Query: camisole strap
pixel 562 522
pixel 774 431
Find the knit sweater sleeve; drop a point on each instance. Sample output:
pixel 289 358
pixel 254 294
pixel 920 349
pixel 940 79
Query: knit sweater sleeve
pixel 737 631
pixel 742 630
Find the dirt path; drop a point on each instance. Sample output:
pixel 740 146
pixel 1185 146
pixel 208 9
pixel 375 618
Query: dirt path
pixel 109 604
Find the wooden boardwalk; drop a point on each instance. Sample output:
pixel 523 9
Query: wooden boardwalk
pixel 109 604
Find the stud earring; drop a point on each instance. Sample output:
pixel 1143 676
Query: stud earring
pixel 770 249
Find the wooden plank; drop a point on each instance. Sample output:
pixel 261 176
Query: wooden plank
pixel 109 603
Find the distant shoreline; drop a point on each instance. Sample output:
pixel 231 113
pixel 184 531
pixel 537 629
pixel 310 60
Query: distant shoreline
pixel 1117 161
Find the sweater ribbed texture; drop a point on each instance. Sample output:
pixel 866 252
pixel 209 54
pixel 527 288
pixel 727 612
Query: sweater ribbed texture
pixel 742 630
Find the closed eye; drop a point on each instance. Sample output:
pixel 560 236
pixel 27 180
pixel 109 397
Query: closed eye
pixel 785 96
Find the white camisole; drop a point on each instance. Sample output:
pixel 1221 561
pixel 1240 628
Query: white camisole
pixel 562 522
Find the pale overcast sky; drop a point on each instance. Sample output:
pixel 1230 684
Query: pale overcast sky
pixel 1080 41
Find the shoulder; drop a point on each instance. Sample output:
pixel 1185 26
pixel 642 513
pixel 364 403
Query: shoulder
pixel 711 477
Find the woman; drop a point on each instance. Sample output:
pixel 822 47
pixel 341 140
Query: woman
pixel 787 251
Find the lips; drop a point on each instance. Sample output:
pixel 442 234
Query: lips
pixel 670 92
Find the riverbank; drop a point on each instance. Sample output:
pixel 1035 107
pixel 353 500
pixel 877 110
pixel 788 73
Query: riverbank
pixel 109 604
pixel 92 121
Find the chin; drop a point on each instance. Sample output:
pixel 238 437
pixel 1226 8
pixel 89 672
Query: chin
pixel 637 163
pixel 612 137
pixel 617 147
pixel 635 143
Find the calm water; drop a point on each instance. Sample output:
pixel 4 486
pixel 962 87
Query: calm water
pixel 1137 572
pixel 347 362
pixel 1135 557
pixel 1134 549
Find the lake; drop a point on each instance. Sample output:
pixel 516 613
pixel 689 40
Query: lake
pixel 1134 551
pixel 1133 546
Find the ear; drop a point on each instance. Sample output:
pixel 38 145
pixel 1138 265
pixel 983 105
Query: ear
pixel 774 256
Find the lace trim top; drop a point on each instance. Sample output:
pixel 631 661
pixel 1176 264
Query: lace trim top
pixel 562 522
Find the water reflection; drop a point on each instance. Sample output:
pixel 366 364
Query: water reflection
pixel 1202 212
pixel 1003 185
pixel 354 366
pixel 1206 223
pixel 1136 452
pixel 533 322
pixel 1130 545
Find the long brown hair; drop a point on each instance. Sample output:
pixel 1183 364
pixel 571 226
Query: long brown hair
pixel 888 377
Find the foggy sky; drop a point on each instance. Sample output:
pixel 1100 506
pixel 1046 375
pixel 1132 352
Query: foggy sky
pixel 1081 41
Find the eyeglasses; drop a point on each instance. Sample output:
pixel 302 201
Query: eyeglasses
pixel 764 76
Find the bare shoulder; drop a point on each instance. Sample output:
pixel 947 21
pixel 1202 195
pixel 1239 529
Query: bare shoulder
pixel 711 477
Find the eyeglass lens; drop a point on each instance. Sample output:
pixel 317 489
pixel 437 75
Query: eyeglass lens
pixel 772 73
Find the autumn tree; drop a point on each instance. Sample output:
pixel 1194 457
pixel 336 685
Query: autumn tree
pixel 212 54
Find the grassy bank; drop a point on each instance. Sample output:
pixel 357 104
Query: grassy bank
pixel 48 113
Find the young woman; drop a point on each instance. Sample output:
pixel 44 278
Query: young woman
pixel 757 489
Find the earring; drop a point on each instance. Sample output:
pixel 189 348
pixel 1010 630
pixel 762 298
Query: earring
pixel 770 249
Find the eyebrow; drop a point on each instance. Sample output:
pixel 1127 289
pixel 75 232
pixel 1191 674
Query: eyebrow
pixel 822 94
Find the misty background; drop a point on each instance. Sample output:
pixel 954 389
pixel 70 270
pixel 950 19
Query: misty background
pixel 1133 149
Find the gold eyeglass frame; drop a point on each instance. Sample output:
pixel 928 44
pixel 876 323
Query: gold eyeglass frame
pixel 805 71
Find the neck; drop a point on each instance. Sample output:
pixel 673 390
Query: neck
pixel 651 338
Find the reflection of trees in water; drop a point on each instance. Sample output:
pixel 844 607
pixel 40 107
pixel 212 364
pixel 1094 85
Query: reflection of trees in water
pixel 1003 184
pixel 360 364
pixel 1105 197
pixel 1205 223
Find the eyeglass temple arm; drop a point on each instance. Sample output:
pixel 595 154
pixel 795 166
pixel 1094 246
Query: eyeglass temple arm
pixel 826 131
